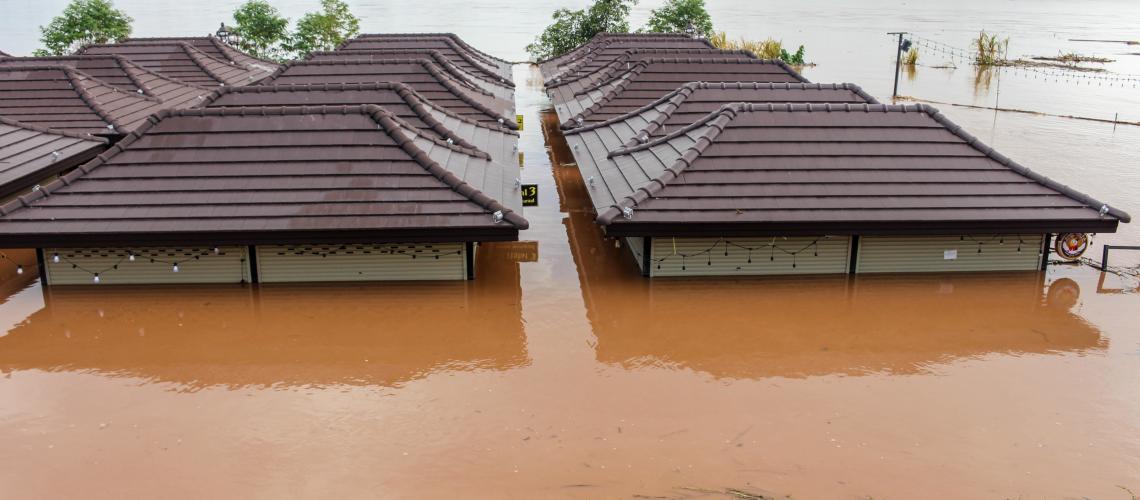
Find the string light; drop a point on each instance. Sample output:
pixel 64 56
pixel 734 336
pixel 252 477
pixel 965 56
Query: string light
pixel 772 246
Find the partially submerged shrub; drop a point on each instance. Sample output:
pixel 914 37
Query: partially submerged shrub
pixel 911 57
pixel 989 49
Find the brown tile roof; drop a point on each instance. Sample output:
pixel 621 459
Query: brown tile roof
pixel 478 81
pixel 122 73
pixel 30 154
pixel 837 169
pixel 4 54
pixel 694 100
pixel 649 79
pixel 421 74
pixel 592 76
pixel 183 61
pixel 397 98
pixel 555 65
pixel 271 175
pixel 592 143
pixel 214 47
pixel 449 48
pixel 503 67
pixel 66 99
pixel 622 54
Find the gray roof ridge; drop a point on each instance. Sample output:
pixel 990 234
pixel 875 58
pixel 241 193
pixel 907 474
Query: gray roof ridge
pixel 675 96
pixel 715 121
pixel 430 66
pixel 391 124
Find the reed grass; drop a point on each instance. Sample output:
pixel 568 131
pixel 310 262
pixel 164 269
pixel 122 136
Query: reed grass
pixel 765 49
pixel 911 57
pixel 989 49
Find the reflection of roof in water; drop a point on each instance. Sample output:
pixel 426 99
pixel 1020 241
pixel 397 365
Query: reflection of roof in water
pixel 279 336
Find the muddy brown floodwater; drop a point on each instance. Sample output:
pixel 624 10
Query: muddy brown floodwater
pixel 561 373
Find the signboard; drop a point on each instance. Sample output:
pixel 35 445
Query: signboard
pixel 519 120
pixel 950 254
pixel 1071 246
pixel 530 195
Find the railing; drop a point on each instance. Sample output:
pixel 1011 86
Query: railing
pixel 1104 255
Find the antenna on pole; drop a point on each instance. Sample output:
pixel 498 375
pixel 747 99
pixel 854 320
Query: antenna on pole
pixel 903 46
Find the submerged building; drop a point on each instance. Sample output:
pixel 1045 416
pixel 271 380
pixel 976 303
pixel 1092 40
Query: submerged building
pixel 708 165
pixel 270 194
pixel 389 163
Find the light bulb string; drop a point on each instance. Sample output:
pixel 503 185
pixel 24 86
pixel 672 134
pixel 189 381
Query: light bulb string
pixel 728 243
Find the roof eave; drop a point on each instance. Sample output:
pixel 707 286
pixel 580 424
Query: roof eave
pixel 500 232
pixel 625 228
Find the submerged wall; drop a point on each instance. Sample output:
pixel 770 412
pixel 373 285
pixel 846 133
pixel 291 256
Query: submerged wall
pixel 269 264
pixel 833 255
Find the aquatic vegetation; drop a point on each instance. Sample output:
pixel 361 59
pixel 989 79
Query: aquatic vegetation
pixel 989 50
pixel 768 48
pixel 911 57
pixel 1073 58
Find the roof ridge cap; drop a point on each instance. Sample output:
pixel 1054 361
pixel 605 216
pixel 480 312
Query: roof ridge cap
pixel 716 122
pixel 79 81
pixel 568 127
pixel 392 126
pixel 199 59
pixel 733 108
pixel 48 130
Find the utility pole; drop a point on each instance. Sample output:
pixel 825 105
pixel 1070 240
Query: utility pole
pixel 898 60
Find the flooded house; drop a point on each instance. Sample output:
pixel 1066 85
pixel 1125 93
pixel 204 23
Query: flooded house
pixel 269 194
pixel 829 189
pixel 203 61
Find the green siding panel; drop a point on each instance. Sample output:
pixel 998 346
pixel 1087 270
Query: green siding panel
pixel 769 256
pixel 317 263
pixel 151 265
pixel 917 254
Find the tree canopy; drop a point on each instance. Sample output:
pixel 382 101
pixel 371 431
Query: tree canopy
pixel 261 29
pixel 83 22
pixel 572 28
pixel 324 30
pixel 681 16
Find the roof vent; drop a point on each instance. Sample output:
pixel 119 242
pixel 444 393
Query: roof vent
pixel 627 212
pixel 497 217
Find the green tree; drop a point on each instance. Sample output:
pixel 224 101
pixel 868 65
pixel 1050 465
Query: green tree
pixel 681 16
pixel 261 29
pixel 324 30
pixel 572 28
pixel 83 22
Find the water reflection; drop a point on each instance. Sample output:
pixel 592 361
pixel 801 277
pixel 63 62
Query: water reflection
pixel 797 327
pixel 279 336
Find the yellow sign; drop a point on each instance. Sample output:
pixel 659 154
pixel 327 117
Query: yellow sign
pixel 520 159
pixel 530 195
pixel 519 119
